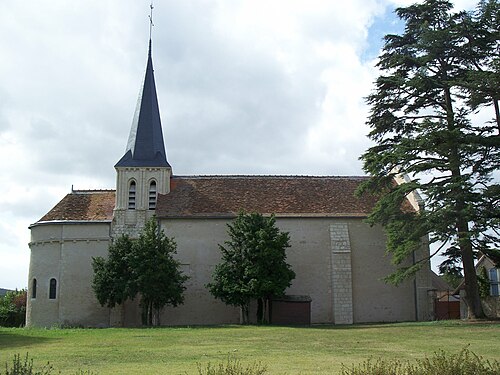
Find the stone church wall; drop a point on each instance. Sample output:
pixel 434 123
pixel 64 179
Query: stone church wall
pixel 345 283
pixel 197 249
pixel 64 251
pixel 339 263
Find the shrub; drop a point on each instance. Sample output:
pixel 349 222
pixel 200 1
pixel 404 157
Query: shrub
pixel 377 367
pixel 20 367
pixel 232 367
pixel 25 367
pixel 463 363
pixel 13 309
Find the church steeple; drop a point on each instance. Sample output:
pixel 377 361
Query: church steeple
pixel 145 147
pixel 143 172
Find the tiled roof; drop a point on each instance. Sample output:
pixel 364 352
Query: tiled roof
pixel 222 196
pixel 83 205
pixel 225 196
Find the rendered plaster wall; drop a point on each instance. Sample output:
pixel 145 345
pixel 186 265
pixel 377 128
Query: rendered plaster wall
pixel 324 271
pixel 423 285
pixel 339 263
pixel 309 256
pixel 322 258
pixel 374 300
pixel 64 252
pixel 197 249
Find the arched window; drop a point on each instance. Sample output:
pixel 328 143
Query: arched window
pixel 152 195
pixel 52 288
pixel 33 288
pixel 131 195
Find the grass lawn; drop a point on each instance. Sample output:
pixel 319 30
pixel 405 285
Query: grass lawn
pixel 305 350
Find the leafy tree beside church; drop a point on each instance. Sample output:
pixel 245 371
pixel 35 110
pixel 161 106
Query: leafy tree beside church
pixel 435 77
pixel 13 308
pixel 142 267
pixel 253 264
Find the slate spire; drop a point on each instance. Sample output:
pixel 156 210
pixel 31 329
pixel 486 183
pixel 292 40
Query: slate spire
pixel 145 147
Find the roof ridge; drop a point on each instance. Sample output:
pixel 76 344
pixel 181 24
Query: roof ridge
pixel 92 191
pixel 267 176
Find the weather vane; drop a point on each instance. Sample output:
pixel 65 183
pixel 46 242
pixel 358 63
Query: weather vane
pixel 151 24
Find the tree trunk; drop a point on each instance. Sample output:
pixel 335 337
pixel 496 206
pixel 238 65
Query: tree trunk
pixel 244 314
pixel 497 113
pixel 150 314
pixel 158 322
pixel 270 311
pixel 260 310
pixel 472 296
pixel 264 313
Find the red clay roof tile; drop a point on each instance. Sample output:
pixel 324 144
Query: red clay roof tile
pixel 83 205
pixel 215 196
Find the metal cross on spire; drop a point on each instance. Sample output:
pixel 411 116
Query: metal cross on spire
pixel 151 24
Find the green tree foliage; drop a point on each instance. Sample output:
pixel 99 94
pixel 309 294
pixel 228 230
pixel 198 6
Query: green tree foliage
pixel 253 264
pixel 112 281
pixel 481 35
pixel 452 277
pixel 13 309
pixel 157 274
pixel 484 282
pixel 435 77
pixel 144 267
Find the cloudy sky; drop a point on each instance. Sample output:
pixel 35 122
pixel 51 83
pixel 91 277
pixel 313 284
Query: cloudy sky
pixel 245 87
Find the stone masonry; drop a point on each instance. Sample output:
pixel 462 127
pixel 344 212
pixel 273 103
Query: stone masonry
pixel 341 273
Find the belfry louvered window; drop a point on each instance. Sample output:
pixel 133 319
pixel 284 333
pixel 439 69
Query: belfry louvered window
pixel 131 195
pixel 152 195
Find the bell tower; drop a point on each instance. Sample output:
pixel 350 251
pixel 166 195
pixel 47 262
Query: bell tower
pixel 143 172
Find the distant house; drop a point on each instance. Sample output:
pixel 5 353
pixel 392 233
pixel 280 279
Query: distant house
pixel 491 303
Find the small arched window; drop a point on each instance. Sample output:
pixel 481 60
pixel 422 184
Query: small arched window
pixel 152 195
pixel 131 195
pixel 33 288
pixel 52 288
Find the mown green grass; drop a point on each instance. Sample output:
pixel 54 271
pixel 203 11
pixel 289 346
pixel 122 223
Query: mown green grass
pixel 305 350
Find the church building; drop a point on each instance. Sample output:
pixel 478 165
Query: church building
pixel 339 260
